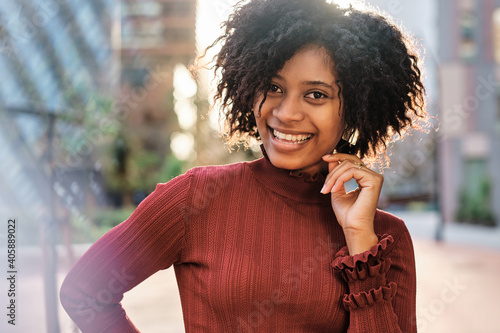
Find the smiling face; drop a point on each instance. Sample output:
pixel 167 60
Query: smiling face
pixel 300 121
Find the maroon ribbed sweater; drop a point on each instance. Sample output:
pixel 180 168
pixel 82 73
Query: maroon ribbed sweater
pixel 255 249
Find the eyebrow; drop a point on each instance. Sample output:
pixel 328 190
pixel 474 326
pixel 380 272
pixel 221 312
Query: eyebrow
pixel 317 83
pixel 311 83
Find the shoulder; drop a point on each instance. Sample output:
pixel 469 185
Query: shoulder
pixel 209 185
pixel 213 173
pixel 390 224
pixel 387 222
pixel 204 173
pixel 203 181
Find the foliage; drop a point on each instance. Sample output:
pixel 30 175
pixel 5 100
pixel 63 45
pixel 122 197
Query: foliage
pixel 171 168
pixel 103 221
pixel 130 168
pixel 475 209
pixel 109 218
pixel 89 124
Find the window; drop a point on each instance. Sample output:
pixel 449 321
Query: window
pixel 146 8
pixel 174 35
pixel 468 48
pixel 475 195
pixel 177 8
pixel 496 34
pixel 497 125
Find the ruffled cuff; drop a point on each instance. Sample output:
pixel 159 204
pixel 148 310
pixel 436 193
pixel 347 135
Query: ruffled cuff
pixel 362 300
pixel 344 260
pixel 365 274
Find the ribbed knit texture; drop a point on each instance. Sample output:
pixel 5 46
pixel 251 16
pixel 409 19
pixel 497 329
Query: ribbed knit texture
pixel 255 249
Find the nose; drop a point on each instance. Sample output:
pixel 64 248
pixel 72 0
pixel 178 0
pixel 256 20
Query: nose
pixel 288 110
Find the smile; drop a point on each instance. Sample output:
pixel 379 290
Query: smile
pixel 290 138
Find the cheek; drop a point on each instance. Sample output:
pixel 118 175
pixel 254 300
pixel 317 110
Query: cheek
pixel 331 123
pixel 333 132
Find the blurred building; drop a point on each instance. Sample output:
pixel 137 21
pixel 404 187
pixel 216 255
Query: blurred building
pixel 469 139
pixel 156 36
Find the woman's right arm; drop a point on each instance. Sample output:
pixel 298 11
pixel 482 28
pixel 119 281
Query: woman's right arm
pixel 151 239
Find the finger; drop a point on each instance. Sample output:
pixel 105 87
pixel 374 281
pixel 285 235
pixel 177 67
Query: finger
pixel 336 172
pixel 346 173
pixel 367 180
pixel 340 157
pixel 368 186
pixel 336 169
pixel 370 178
pixel 327 186
pixel 344 164
pixel 350 173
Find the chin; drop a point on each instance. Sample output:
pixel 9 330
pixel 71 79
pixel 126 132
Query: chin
pixel 291 165
pixel 286 166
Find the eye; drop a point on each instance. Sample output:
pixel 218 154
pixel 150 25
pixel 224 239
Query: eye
pixel 316 95
pixel 275 88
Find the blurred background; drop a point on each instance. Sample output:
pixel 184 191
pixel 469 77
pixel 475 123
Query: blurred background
pixel 97 106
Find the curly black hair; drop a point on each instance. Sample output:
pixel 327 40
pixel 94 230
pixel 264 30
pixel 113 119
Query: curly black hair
pixel 376 63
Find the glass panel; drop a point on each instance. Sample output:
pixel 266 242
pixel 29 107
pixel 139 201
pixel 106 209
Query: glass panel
pixel 496 34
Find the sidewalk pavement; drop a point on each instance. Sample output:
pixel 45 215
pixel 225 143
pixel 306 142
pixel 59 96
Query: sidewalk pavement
pixel 457 285
pixel 424 225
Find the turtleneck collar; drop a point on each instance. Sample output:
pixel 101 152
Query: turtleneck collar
pixel 300 187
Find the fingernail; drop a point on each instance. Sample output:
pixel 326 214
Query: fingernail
pixel 322 189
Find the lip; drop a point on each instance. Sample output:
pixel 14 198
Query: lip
pixel 287 147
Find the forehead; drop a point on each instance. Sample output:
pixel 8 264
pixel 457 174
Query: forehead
pixel 311 62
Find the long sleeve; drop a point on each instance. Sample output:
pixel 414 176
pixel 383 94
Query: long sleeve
pixel 151 239
pixel 382 285
pixel 252 248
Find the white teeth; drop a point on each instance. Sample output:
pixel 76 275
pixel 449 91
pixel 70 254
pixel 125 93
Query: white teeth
pixel 290 137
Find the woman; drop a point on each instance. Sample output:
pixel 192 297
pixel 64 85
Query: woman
pixel 276 244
